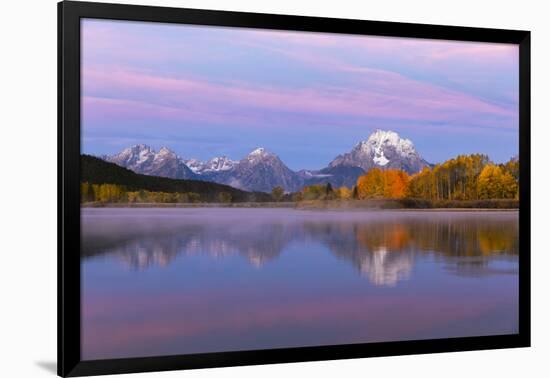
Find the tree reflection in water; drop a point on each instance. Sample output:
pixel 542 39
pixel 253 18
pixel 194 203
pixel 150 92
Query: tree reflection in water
pixel 381 246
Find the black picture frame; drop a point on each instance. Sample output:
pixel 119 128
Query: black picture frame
pixel 69 356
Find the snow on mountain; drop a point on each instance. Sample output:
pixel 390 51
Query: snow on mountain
pixel 133 156
pixel 383 149
pixel 195 165
pixel 217 164
pixel 258 153
pixel 262 170
pixel 143 159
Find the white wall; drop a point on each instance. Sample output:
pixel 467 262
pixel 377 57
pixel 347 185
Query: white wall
pixel 28 186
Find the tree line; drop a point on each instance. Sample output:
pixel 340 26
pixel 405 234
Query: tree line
pixel 113 193
pixel 466 177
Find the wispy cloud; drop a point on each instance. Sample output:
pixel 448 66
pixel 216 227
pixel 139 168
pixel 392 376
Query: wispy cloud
pixel 270 80
pixel 375 93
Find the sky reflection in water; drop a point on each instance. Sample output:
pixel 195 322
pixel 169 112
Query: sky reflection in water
pixel 173 281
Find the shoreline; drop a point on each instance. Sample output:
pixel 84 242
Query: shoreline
pixel 251 205
pixel 341 206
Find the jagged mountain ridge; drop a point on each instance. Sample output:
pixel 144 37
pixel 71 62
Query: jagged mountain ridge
pixel 143 159
pixel 262 170
pixel 384 149
pixel 217 164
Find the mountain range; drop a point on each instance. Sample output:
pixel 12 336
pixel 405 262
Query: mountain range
pixel 94 170
pixel 262 170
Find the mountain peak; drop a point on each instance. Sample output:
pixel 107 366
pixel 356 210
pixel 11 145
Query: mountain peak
pixel 262 170
pixel 260 151
pixel 384 135
pixel 141 158
pixel 383 149
pixel 140 146
pixel 136 149
pixel 380 139
pixel 259 154
pixel 220 163
pixel 214 165
pixel 164 151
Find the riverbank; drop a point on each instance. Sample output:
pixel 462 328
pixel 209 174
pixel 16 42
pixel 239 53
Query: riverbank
pixel 408 203
pixel 192 205
pixel 370 204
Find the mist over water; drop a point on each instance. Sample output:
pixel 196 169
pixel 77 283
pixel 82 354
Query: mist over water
pixel 173 281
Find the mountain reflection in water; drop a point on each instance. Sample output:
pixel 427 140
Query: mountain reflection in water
pixel 382 246
pixel 176 281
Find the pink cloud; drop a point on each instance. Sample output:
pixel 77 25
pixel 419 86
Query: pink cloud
pixel 375 93
pixel 120 83
pixel 113 109
pixel 140 43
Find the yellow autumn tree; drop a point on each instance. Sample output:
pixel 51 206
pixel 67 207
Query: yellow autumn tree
pixel 455 179
pixel 512 167
pixel 111 193
pixel 343 193
pixel 86 192
pixel 493 182
pixel 420 184
pixel 371 185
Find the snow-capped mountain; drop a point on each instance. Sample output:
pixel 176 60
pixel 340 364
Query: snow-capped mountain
pixel 258 171
pixel 194 165
pixel 383 149
pixel 143 159
pixel 217 164
pixel 261 171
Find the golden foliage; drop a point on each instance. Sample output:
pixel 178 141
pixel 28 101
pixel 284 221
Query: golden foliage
pixel 111 193
pixel 391 183
pixel 493 182
pixel 344 193
pixel 370 185
pixel 467 177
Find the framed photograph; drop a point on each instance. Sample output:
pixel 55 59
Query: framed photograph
pixel 240 188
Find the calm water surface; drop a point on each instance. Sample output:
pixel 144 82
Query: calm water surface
pixel 175 281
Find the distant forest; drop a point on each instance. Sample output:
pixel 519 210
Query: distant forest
pixel 106 182
pixel 464 178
